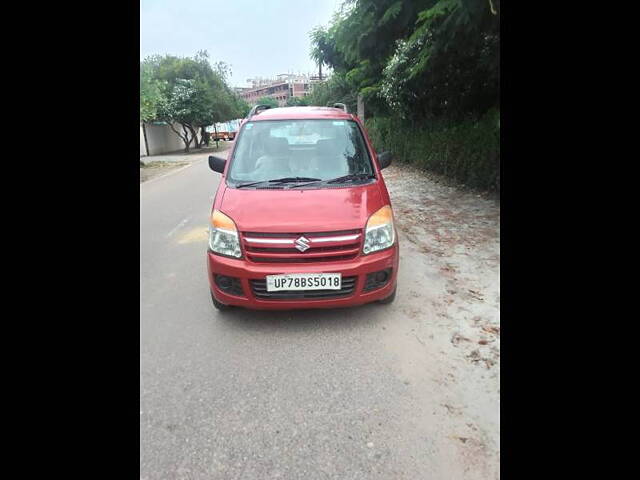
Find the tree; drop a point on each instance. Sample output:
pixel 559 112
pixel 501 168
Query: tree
pixel 183 106
pixel 419 58
pixel 272 102
pixel 193 94
pixel 449 65
pixel 336 89
pixel 429 71
pixel 242 108
pixel 150 94
pixel 322 49
pixel 359 40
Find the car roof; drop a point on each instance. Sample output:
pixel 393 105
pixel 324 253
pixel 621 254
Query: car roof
pixel 295 113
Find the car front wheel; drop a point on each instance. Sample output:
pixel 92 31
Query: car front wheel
pixel 219 306
pixel 390 298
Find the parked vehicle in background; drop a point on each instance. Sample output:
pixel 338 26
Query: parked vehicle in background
pixel 225 130
pixel 223 135
pixel 302 217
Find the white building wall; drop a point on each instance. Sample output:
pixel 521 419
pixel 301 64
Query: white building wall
pixel 161 139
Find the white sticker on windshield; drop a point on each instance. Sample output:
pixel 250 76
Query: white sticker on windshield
pixel 338 123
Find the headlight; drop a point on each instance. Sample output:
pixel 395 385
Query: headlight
pixel 379 233
pixel 223 235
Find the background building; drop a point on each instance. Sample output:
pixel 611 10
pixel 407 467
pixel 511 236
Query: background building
pixel 280 88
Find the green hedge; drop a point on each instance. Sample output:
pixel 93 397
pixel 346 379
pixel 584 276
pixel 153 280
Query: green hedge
pixel 466 151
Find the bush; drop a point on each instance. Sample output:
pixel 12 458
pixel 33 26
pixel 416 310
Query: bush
pixel 272 102
pixel 467 151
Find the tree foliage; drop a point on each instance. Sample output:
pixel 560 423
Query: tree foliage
pixel 187 93
pixel 241 106
pixel 418 58
pixel 336 89
pixel 272 102
pixel 150 94
pixel 429 72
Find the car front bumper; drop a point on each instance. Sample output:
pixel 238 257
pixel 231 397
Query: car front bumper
pixel 358 267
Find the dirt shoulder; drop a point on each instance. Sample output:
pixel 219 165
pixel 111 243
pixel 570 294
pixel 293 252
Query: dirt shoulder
pixel 157 169
pixel 159 165
pixel 447 340
pixel 460 234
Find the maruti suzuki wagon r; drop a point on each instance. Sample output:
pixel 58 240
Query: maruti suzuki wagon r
pixel 302 217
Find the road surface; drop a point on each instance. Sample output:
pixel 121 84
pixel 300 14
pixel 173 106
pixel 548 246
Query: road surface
pixel 374 392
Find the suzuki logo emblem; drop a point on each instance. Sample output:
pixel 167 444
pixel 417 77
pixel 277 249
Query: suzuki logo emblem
pixel 302 244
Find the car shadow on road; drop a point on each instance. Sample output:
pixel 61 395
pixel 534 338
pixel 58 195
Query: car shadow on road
pixel 304 320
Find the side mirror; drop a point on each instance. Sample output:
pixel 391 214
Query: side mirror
pixel 217 164
pixel 384 159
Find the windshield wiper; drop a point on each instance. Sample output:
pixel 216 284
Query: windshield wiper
pixel 294 179
pixel 311 182
pixel 343 179
pixel 280 180
pixel 350 177
pixel 240 185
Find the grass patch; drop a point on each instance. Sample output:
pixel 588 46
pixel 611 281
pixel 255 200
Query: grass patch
pixel 163 164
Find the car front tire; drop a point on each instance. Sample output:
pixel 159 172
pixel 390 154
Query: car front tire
pixel 390 298
pixel 219 306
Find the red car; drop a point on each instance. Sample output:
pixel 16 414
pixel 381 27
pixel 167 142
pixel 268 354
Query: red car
pixel 302 217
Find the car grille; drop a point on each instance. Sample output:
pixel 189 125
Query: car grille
pixel 323 246
pixel 259 288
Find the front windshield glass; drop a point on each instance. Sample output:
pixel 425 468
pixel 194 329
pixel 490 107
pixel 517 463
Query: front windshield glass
pixel 320 149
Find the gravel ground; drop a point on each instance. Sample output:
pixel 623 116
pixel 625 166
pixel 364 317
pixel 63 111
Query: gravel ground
pixel 458 233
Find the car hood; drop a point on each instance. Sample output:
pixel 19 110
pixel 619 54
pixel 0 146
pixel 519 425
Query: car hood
pixel 299 211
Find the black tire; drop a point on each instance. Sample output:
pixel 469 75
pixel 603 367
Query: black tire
pixel 390 298
pixel 219 306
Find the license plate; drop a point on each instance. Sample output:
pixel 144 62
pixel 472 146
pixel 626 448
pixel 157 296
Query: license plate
pixel 304 281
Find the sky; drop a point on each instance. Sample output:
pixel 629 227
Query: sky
pixel 258 38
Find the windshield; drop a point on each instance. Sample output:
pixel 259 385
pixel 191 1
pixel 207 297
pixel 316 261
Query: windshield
pixel 314 149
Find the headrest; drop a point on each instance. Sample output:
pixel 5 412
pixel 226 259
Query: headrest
pixel 326 147
pixel 277 146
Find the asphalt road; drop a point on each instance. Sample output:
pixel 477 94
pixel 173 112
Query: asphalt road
pixel 350 393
